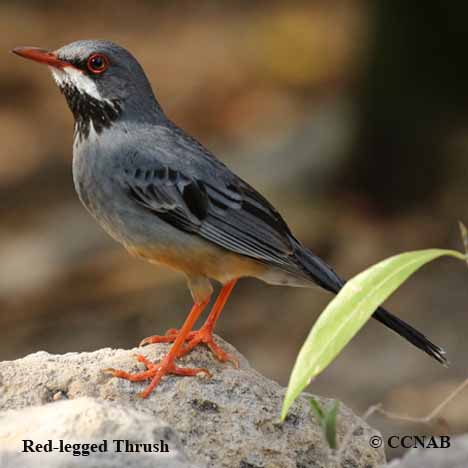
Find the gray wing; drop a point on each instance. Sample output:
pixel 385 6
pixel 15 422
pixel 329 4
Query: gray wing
pixel 228 213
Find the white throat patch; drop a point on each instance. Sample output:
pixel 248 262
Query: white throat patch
pixel 72 77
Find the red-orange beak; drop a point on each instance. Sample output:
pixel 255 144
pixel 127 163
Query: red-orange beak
pixel 41 56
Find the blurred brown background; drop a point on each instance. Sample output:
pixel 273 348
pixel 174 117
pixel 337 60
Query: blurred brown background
pixel 350 116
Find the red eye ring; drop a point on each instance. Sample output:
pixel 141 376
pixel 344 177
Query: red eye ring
pixel 97 63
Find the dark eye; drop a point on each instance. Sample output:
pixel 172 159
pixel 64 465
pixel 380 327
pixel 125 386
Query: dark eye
pixel 97 63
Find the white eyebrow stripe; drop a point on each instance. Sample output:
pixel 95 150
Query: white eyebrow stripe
pixel 74 77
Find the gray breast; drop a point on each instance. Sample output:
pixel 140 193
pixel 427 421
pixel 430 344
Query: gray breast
pixel 96 169
pixel 95 184
pixel 85 167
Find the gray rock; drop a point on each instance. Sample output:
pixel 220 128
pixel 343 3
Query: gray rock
pixel 87 420
pixel 229 420
pixel 455 456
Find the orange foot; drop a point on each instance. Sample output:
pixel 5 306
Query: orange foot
pixel 202 336
pixel 155 372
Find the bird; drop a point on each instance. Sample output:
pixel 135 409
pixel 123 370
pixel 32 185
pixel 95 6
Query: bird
pixel 167 199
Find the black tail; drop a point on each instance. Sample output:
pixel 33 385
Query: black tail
pixel 324 276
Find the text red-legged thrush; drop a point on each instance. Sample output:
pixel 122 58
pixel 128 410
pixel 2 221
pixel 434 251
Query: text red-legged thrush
pixel 167 199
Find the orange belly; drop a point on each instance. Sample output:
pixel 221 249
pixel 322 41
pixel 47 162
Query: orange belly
pixel 207 260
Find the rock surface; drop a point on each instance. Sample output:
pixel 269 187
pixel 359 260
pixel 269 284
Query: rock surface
pixel 230 420
pixel 456 456
pixel 86 420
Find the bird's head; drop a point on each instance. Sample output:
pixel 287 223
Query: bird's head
pixel 101 81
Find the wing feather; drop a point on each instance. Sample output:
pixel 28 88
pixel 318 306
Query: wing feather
pixel 232 215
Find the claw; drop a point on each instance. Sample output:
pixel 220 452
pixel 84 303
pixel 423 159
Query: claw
pixel 205 336
pixel 221 355
pixel 157 339
pixel 168 337
pixel 155 372
pixel 144 360
pixel 202 336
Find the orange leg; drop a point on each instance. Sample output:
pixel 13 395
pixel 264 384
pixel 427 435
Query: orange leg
pixel 157 371
pixel 205 334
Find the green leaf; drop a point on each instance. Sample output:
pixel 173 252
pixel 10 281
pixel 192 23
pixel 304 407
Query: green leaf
pixel 327 420
pixel 329 425
pixel 349 311
pixel 315 405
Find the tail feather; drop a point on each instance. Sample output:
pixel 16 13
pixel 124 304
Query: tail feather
pixel 411 334
pixel 324 276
